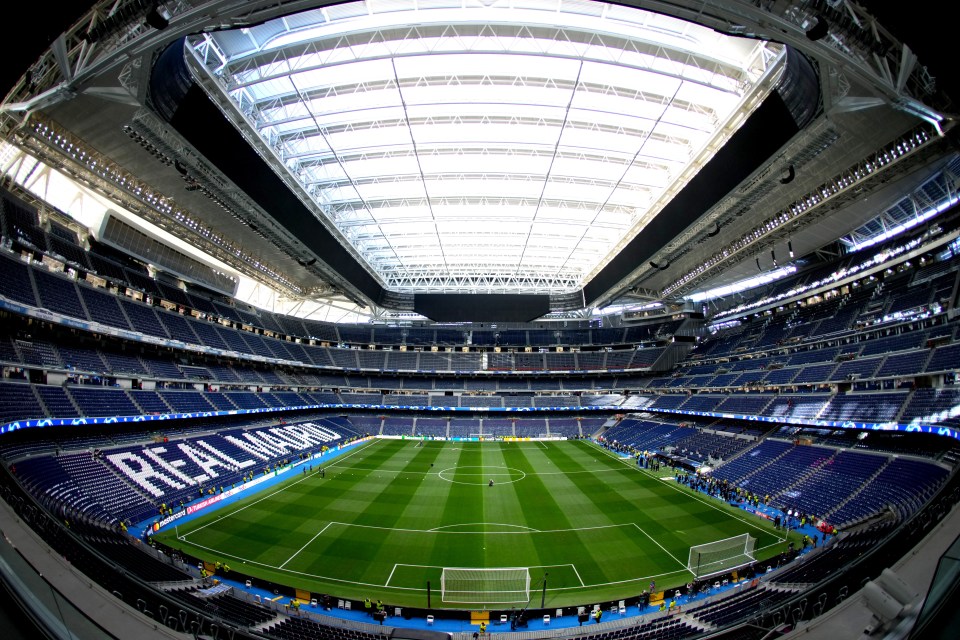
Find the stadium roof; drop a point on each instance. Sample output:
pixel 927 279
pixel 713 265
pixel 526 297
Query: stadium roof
pixel 487 147
pixel 503 159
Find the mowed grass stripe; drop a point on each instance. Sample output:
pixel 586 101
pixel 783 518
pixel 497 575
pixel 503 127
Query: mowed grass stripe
pixel 466 505
pixel 374 499
pixel 532 504
pixel 408 552
pixel 267 528
pixel 609 493
pixel 419 512
pixel 697 520
pixel 456 532
pixel 577 527
pixel 590 534
pixel 272 531
pixel 385 507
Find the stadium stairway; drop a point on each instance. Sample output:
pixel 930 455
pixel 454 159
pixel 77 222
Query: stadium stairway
pixel 43 405
pixel 864 485
pixel 906 403
pixel 694 622
pixel 825 406
pixel 743 451
pixel 139 400
pixel 725 611
pixel 951 456
pixel 801 478
pixel 769 463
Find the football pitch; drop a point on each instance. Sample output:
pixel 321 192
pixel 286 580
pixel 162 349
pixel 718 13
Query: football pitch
pixel 388 516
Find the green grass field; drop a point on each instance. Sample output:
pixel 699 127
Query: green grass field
pixel 389 516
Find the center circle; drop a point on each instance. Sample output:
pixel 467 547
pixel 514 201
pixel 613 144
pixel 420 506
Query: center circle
pixel 482 475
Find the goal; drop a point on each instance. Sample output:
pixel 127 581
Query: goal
pixel 721 555
pixel 500 585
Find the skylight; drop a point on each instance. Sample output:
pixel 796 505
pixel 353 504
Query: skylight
pixel 476 147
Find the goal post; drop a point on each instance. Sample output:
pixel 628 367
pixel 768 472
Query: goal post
pixel 721 555
pixel 500 585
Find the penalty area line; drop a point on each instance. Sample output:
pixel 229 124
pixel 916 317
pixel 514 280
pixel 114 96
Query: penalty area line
pixel 306 545
pixel 318 576
pixel 574 567
pixel 639 528
pixel 390 577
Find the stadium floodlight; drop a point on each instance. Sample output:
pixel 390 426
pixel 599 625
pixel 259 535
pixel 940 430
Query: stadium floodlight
pixel 721 555
pixel 497 585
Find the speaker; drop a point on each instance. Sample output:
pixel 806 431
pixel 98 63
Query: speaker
pixel 155 20
pixel 819 30
pixel 791 174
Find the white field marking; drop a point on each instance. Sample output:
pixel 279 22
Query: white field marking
pixel 305 546
pixel 269 495
pixel 653 540
pixel 752 525
pixel 424 566
pixel 390 577
pixel 615 582
pixel 418 589
pixel 471 524
pixel 578 575
pixel 529 473
pixel 570 473
pixel 301 573
pixel 421 589
pixel 778 542
pixel 378 470
pixel 536 566
pixel 484 533
pixel 484 470
pixel 458 471
pixel 542 445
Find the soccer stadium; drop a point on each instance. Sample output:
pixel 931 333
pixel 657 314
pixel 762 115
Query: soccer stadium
pixel 331 320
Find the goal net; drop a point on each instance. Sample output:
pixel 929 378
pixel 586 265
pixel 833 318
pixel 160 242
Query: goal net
pixel 485 586
pixel 721 555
